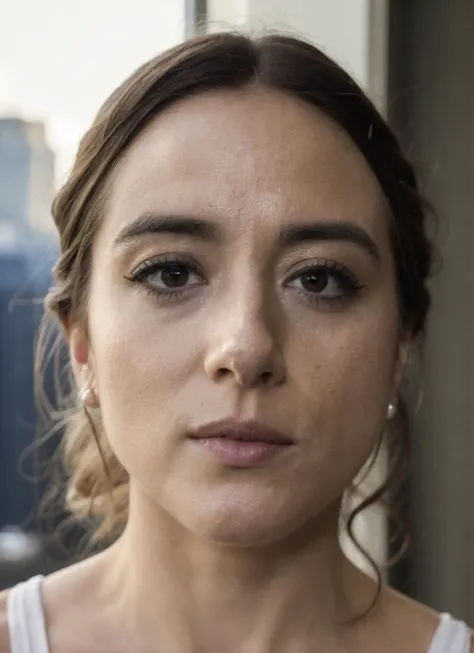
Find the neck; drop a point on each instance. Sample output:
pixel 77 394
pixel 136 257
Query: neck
pixel 202 596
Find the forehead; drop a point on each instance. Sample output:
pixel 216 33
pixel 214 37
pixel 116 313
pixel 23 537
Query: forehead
pixel 249 155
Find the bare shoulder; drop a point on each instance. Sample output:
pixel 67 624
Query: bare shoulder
pixel 4 636
pixel 72 597
pixel 412 624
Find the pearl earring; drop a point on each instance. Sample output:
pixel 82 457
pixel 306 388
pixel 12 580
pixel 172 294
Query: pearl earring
pixel 89 398
pixel 391 411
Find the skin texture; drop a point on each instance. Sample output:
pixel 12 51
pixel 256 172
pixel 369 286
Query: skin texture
pixel 252 167
pixel 215 558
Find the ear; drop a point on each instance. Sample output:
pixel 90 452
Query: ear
pixel 401 361
pixel 79 352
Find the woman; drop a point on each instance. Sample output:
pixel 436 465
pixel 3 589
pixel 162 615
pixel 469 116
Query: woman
pixel 241 281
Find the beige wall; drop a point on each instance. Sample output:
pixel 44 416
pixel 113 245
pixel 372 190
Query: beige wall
pixel 341 27
pixel 432 90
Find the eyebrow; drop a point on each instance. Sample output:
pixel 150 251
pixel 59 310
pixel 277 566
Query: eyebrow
pixel 324 231
pixel 155 223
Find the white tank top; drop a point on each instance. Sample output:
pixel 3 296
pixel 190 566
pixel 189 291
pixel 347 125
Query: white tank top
pixel 28 631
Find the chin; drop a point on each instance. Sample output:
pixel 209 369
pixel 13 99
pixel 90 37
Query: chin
pixel 237 534
pixel 244 523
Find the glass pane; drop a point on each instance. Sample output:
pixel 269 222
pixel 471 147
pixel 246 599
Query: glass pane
pixel 59 60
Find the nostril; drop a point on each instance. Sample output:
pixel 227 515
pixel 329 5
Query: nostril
pixel 266 378
pixel 223 373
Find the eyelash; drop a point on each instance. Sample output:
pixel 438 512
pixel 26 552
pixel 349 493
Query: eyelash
pixel 146 269
pixel 348 282
pixel 350 286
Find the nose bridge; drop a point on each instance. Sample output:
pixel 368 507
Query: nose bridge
pixel 245 342
pixel 251 334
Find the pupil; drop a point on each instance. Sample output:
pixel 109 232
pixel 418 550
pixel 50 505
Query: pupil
pixel 314 280
pixel 175 276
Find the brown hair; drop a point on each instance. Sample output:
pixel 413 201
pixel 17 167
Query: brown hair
pixel 97 484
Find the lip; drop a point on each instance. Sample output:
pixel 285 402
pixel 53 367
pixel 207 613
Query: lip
pixel 241 444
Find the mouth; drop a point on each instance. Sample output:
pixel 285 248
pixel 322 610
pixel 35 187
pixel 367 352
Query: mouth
pixel 241 444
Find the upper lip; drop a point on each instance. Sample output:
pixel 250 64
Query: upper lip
pixel 246 431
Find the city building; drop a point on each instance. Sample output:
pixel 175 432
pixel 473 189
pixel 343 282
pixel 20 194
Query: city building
pixel 28 248
pixel 26 176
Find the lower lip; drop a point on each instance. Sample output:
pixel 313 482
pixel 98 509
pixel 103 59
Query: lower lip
pixel 240 453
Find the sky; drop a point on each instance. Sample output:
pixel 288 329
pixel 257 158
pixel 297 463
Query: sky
pixel 60 59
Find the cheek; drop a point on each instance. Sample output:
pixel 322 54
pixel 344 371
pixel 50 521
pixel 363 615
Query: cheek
pixel 349 355
pixel 343 380
pixel 142 364
pixel 344 369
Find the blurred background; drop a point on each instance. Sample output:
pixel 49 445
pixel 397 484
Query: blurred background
pixel 60 59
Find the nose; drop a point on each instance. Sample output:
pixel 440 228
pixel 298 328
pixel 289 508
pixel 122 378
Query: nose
pixel 243 349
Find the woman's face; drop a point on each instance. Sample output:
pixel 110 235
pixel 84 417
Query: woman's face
pixel 243 271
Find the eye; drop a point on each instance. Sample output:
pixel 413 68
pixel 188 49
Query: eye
pixel 172 274
pixel 169 278
pixel 325 281
pixel 317 280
